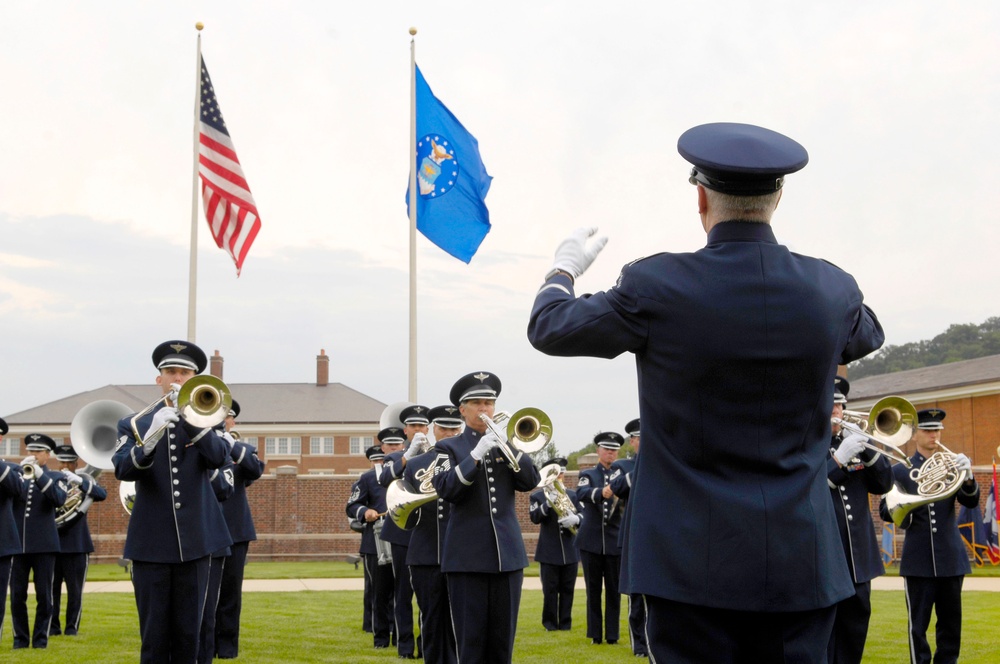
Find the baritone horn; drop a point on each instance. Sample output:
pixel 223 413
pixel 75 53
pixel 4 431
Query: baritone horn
pixel 204 401
pixel 528 430
pixel 890 423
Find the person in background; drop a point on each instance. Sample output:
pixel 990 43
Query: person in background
pixel 556 552
pixel 622 474
pixel 12 488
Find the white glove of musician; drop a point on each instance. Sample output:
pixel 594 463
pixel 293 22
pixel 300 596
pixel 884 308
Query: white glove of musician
pixel 162 420
pixel 31 461
pixel 72 477
pixel 849 448
pixel 569 521
pixel 962 462
pixel 230 441
pixel 574 256
pixel 174 394
pixel 417 446
pixel 485 444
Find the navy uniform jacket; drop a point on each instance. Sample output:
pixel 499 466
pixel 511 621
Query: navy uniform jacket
pixel 602 517
pixel 35 514
pixel 622 472
pixel 223 481
pixel 176 517
pixel 367 494
pixel 483 532
pixel 736 348
pixel 849 487
pixel 74 537
pixel 246 468
pixel 12 490
pixel 392 470
pixel 933 545
pixel 556 545
pixel 428 522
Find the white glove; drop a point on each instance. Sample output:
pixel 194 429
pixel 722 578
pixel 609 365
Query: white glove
pixel 28 460
pixel 72 477
pixel 230 441
pixel 162 420
pixel 175 393
pixel 574 256
pixel 570 520
pixel 485 444
pixel 849 448
pixel 417 446
pixel 962 462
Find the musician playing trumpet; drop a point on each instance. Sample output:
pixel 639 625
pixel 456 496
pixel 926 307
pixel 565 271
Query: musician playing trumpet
pixel 556 552
pixel 934 561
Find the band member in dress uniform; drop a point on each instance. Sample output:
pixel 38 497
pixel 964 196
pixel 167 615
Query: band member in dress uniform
pixel 222 485
pixel 35 517
pixel 75 545
pixel 483 557
pixel 415 424
pixel 367 504
pixel 934 561
pixel 556 554
pixel 12 489
pixel 622 473
pixel 736 348
pixel 853 472
pixel 176 522
pixel 600 551
pixel 427 526
pixel 366 547
pixel 247 468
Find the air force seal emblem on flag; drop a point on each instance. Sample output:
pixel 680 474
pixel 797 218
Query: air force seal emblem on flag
pixel 438 171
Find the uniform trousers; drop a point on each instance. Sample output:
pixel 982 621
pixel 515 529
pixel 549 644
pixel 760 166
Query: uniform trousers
pixel 850 627
pixel 5 564
pixel 366 618
pixel 71 568
pixel 484 613
pixel 637 625
pixel 437 638
pixel 381 599
pixel 206 638
pixel 43 566
pixel 601 571
pixel 558 583
pixel 943 594
pixel 227 615
pixel 403 601
pixel 679 633
pixel 170 598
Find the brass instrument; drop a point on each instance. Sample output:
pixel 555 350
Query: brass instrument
pixel 938 478
pixel 204 401
pixel 890 423
pixel 401 499
pixel 126 494
pixel 235 435
pixel 555 493
pixel 28 472
pixel 528 430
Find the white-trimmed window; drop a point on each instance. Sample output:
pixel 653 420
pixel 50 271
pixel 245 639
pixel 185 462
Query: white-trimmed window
pixel 250 440
pixel 283 445
pixel 361 443
pixel 10 446
pixel 321 445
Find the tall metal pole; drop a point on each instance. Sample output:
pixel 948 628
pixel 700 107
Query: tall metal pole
pixel 412 392
pixel 193 261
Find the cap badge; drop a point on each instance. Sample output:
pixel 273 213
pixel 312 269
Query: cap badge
pixel 34 436
pixel 451 410
pixel 481 376
pixel 178 347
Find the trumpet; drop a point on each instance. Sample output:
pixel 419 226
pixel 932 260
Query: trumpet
pixel 528 430
pixel 555 493
pixel 890 423
pixel 28 472
pixel 204 401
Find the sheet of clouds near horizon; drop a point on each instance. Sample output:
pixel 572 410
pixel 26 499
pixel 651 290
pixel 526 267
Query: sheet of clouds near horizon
pixel 577 107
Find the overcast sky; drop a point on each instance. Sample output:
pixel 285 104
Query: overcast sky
pixel 577 107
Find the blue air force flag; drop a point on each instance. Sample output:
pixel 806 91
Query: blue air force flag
pixel 451 179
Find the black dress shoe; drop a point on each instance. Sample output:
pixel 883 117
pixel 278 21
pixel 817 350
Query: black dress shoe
pixel 407 657
pixel 595 642
pixel 612 642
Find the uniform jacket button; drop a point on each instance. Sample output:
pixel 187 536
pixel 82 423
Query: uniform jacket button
pixel 850 517
pixel 177 481
pixel 494 510
pixel 177 505
pixel 177 493
pixel 173 447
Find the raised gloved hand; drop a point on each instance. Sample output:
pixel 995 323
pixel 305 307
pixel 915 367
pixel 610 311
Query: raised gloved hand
pixel 72 477
pixel 962 462
pixel 417 446
pixel 570 520
pixel 849 448
pixel 230 441
pixel 163 419
pixel 174 394
pixel 485 444
pixel 574 256
pixel 31 462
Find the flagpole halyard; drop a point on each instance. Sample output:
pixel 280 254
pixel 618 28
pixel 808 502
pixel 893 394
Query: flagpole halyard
pixel 412 391
pixel 193 260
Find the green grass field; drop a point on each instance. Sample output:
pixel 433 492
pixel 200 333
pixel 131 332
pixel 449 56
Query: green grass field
pixel 326 627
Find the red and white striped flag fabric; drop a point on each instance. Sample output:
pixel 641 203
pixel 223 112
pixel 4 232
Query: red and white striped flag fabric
pixel 229 206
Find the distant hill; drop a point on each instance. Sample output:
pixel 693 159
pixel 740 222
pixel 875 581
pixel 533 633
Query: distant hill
pixel 958 342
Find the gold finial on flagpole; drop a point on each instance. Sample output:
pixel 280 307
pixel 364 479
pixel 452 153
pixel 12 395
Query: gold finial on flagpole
pixel 413 32
pixel 198 26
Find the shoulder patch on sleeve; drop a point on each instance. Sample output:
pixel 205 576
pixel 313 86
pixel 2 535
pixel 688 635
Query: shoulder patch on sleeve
pixel 442 464
pixel 121 441
pixel 584 481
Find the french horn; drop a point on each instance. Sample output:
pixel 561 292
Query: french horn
pixel 938 478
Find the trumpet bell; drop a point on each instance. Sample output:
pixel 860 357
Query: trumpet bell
pixel 204 401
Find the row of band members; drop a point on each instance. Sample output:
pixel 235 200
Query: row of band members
pixel 187 537
pixel 467 576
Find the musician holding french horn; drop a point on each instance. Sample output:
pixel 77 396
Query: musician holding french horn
pixel 169 449
pixel 483 557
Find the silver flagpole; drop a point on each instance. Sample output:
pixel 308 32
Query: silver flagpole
pixel 412 392
pixel 193 269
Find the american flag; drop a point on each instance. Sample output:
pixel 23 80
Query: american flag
pixel 229 206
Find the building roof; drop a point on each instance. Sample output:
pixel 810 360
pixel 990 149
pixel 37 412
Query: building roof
pixel 260 403
pixel 967 376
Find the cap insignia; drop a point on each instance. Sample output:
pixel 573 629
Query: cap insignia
pixel 481 376
pixel 178 347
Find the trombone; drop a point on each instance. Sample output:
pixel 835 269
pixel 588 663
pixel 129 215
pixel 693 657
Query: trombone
pixel 204 401
pixel 890 423
pixel 528 430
